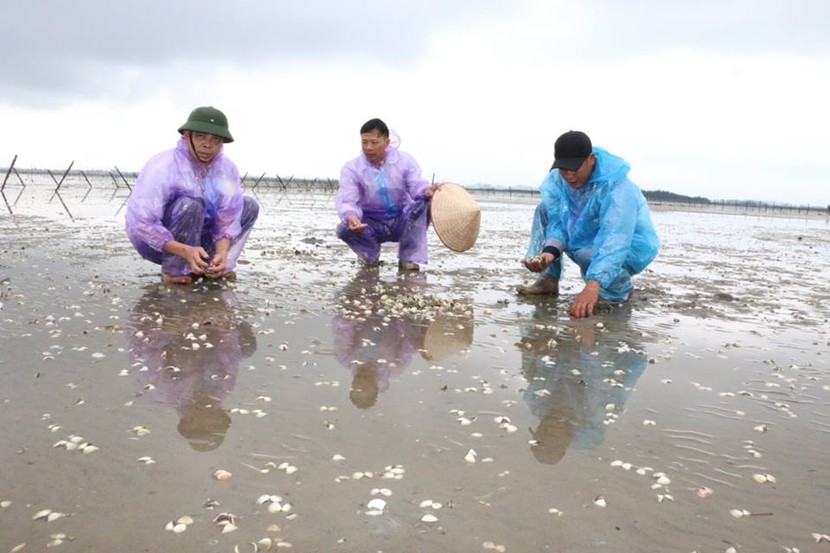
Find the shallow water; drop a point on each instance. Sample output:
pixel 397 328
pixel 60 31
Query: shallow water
pixel 715 372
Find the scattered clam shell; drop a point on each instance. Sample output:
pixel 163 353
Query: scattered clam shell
pixel 661 478
pixel 146 460
pixel 494 546
pixel 739 513
pixel 763 478
pixel 376 504
pixel 267 499
pixel 41 515
pixel 429 517
pixel 338 458
pixel 703 492
pixel 820 537
pixel 600 502
pixel 226 519
pixel 179 525
pixel 471 456
pixel 5 503
pixel 222 475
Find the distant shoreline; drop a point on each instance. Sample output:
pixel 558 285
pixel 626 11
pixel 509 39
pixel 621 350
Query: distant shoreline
pixel 72 178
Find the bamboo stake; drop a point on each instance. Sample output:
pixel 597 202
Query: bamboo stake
pixel 9 170
pixel 122 178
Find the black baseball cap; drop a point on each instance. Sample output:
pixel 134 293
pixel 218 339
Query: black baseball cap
pixel 570 150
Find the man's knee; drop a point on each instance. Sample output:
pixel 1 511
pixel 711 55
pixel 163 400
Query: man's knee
pixel 250 211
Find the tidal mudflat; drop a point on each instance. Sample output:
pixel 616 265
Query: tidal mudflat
pixel 318 407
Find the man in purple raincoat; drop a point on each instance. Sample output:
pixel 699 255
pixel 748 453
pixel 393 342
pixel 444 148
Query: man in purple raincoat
pixel 383 198
pixel 186 211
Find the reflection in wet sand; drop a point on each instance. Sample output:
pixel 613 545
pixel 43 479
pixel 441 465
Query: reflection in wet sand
pixel 376 341
pixel 736 391
pixel 578 378
pixel 186 347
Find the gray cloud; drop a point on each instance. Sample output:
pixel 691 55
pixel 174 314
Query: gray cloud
pixel 797 27
pixel 79 48
pixel 62 50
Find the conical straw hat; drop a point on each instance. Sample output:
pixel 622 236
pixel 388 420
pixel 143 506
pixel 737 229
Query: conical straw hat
pixel 456 217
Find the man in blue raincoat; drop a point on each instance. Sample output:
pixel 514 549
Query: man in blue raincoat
pixel 593 213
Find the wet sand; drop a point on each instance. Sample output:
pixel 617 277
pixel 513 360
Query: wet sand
pixel 708 393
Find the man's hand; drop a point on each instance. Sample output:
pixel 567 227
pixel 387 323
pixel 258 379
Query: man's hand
pixel 218 265
pixel 583 305
pixel 354 224
pixel 538 263
pixel 195 256
pixel 429 192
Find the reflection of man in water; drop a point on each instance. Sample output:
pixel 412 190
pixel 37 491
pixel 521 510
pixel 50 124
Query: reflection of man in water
pixel 188 355
pixel 372 348
pixel 571 408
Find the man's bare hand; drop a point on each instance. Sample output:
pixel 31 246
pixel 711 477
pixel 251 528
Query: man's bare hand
pixel 355 225
pixel 217 267
pixel 433 188
pixel 538 263
pixel 583 304
pixel 195 256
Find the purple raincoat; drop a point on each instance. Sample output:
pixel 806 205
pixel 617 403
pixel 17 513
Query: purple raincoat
pixel 389 199
pixel 175 173
pixel 379 192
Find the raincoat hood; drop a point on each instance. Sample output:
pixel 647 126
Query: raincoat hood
pixel 608 167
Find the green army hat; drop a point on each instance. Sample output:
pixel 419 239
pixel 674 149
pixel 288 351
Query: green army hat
pixel 209 120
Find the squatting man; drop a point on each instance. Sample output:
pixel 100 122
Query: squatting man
pixel 593 213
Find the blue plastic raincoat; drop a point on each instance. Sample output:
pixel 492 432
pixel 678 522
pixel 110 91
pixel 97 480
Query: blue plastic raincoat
pixel 605 226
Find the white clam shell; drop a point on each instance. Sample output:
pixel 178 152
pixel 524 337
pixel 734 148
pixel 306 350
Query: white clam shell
pixel 376 504
pixel 471 456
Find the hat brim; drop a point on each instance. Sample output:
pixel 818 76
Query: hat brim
pixel 568 163
pixel 455 217
pixel 209 128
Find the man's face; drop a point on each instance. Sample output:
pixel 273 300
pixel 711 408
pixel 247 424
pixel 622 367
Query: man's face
pixel 203 146
pixel 578 178
pixel 374 145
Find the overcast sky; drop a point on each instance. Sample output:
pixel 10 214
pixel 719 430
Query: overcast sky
pixel 725 99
